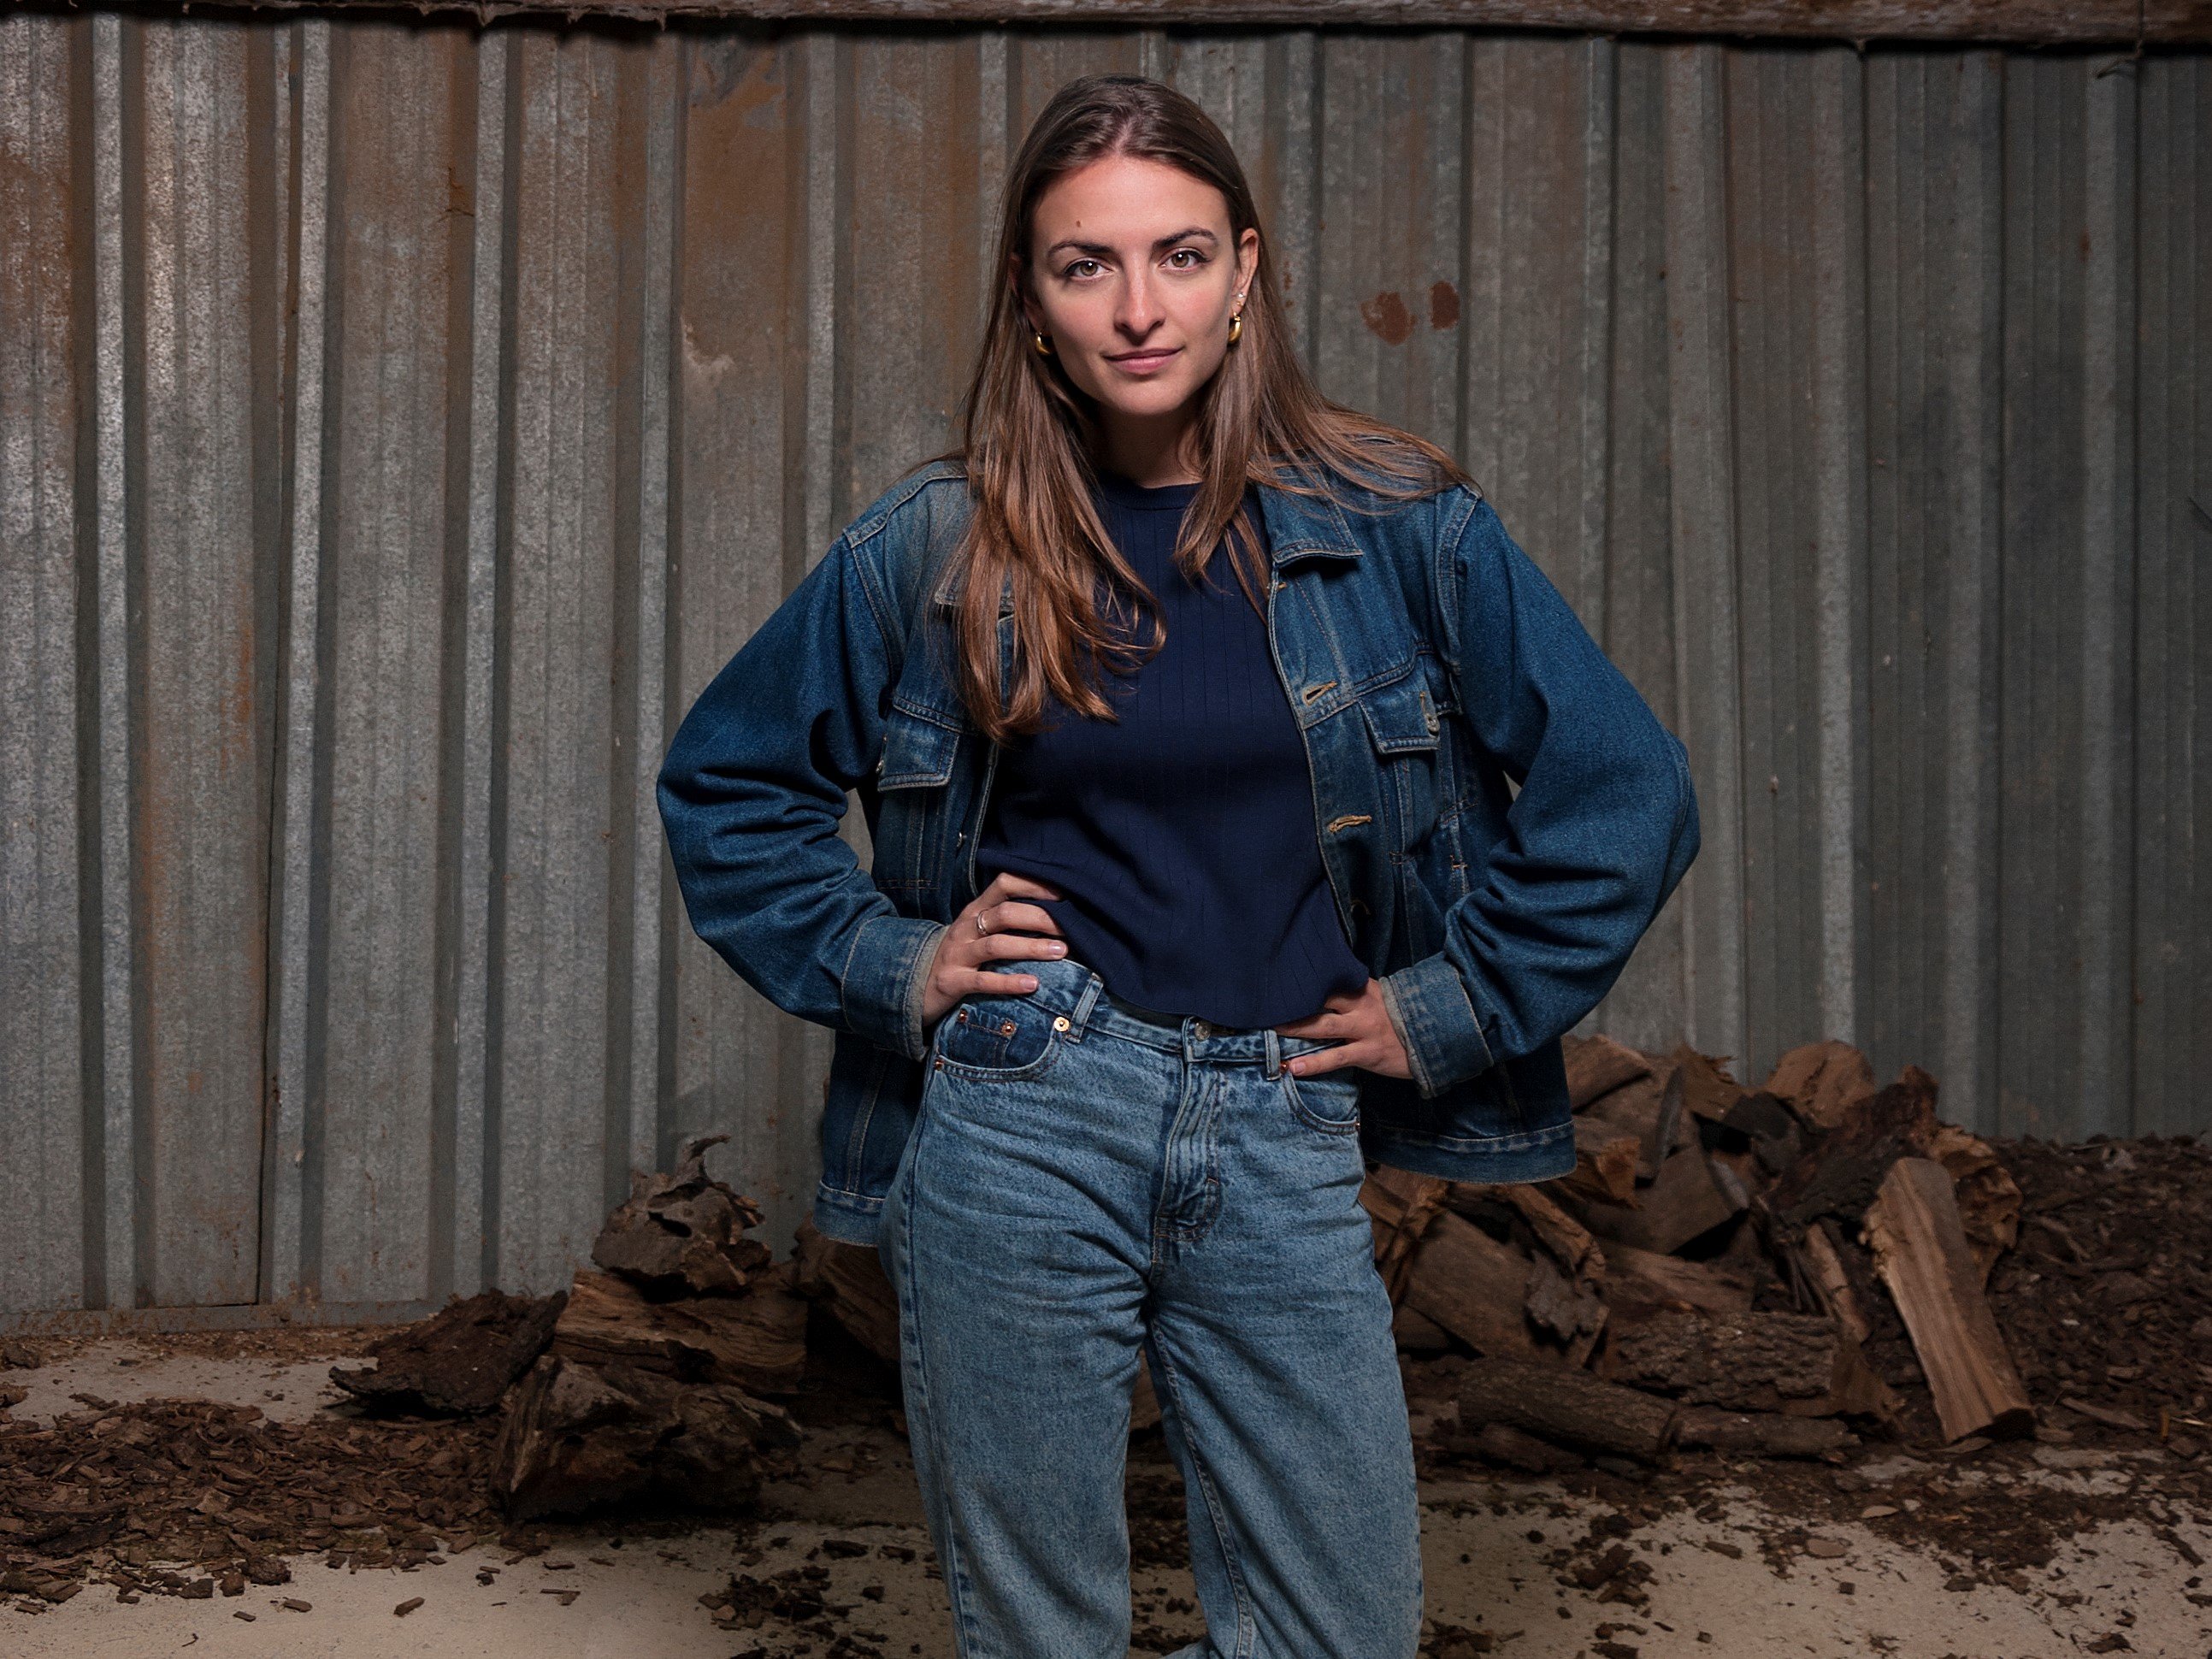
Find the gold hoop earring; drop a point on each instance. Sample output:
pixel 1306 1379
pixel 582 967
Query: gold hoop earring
pixel 1043 346
pixel 1235 328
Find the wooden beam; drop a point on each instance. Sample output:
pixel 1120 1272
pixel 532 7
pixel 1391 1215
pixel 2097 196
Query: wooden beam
pixel 2029 22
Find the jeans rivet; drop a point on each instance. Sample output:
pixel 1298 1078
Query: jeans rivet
pixel 1059 1022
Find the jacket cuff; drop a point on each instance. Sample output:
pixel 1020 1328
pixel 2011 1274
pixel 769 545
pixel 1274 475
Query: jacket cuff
pixel 883 980
pixel 1435 1022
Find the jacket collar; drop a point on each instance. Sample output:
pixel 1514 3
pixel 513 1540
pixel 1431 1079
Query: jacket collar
pixel 1297 526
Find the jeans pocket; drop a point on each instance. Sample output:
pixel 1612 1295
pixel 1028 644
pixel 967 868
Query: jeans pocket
pixel 1328 1101
pixel 1000 1039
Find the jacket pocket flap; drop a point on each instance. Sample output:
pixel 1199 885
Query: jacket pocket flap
pixel 1399 715
pixel 917 751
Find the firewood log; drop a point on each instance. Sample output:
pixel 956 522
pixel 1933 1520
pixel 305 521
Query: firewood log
pixel 1567 1407
pixel 1824 1083
pixel 1683 1203
pixel 1465 1280
pixel 1599 1064
pixel 1921 1252
pixel 1762 1434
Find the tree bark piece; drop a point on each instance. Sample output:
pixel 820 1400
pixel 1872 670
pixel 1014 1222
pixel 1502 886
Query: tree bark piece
pixel 2042 22
pixel 682 1234
pixel 459 1360
pixel 1988 1198
pixel 1837 1291
pixel 756 1342
pixel 1921 1253
pixel 577 1436
pixel 1568 1409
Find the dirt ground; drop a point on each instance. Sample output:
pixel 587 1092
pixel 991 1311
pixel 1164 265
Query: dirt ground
pixel 2026 1550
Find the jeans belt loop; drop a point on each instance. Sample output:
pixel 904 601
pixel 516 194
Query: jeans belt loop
pixel 1274 1054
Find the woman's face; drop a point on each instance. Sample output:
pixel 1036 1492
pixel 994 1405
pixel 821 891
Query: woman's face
pixel 1134 280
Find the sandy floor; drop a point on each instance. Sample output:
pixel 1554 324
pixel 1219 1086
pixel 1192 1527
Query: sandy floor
pixel 1719 1590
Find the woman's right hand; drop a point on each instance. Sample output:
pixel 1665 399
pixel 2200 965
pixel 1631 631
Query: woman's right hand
pixel 1006 925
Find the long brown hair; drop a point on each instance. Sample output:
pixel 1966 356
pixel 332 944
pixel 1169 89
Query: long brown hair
pixel 1029 435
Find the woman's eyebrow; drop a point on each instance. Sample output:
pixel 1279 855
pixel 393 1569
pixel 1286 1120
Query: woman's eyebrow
pixel 1194 233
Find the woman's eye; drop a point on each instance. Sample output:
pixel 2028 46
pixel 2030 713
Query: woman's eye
pixel 1196 259
pixel 1076 269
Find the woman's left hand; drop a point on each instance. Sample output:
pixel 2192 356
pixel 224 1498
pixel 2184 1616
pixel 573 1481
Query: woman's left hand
pixel 1360 1028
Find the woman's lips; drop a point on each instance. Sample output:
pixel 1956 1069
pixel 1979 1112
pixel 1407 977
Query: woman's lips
pixel 1143 362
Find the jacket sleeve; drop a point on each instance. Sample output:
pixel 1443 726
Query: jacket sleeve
pixel 1601 831
pixel 751 793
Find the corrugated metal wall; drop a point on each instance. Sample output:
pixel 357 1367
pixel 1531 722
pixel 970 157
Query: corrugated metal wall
pixel 399 424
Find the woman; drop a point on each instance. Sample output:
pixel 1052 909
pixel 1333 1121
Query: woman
pixel 1221 684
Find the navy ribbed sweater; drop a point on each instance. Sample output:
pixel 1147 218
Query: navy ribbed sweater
pixel 1182 839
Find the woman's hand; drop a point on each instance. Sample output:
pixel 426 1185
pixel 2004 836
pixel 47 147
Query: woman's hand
pixel 996 927
pixel 1360 1028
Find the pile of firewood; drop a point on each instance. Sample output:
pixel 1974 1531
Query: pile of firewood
pixel 638 1381
pixel 1705 1275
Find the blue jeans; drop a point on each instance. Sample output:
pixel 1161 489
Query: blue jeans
pixel 1085 1180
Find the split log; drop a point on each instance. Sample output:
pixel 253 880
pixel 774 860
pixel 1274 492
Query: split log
pixel 1650 1109
pixel 756 1342
pixel 1921 1253
pixel 577 1436
pixel 1605 1165
pixel 1462 1277
pixel 1683 1203
pixel 1748 1362
pixel 1597 1064
pixel 1568 1409
pixel 1640 1283
pixel 1840 1175
pixel 1708 1091
pixel 459 1360
pixel 682 1234
pixel 1762 1434
pixel 1823 1083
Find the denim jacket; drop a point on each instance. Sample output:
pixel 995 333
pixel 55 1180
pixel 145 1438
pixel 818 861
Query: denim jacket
pixel 1433 670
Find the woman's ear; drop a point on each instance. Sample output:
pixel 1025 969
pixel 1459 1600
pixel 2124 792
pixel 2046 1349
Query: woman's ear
pixel 1247 259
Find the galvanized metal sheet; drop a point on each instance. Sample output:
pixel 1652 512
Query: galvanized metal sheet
pixel 410 419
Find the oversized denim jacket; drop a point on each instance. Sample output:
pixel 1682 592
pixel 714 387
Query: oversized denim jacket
pixel 1432 669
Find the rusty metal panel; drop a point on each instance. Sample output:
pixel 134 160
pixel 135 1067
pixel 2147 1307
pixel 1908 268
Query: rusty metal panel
pixel 201 381
pixel 412 418
pixel 44 1097
pixel 2171 969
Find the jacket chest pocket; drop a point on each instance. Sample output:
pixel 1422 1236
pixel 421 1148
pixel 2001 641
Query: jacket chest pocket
pixel 1405 726
pixel 913 777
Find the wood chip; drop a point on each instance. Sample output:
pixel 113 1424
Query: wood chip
pixel 407 1607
